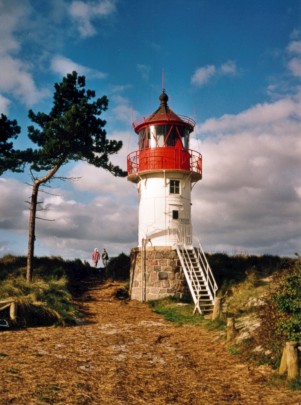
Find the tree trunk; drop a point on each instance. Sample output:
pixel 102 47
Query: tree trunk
pixel 32 218
pixel 32 227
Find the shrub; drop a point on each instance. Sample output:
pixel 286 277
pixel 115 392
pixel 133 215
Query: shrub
pixel 281 315
pixel 118 267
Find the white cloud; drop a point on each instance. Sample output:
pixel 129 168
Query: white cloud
pixel 295 47
pixel 4 104
pixel 249 198
pixel 16 77
pixel 62 65
pixel 294 51
pixel 295 66
pixel 257 117
pixel 121 109
pixel 202 75
pixel 229 68
pixel 84 12
pixel 12 204
pixel 11 11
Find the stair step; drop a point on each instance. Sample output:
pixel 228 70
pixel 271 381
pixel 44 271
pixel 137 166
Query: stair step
pixel 194 270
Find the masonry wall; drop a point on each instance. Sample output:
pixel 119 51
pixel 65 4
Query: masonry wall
pixel 156 273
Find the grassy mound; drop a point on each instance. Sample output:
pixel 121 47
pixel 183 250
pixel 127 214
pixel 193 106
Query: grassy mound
pixel 48 299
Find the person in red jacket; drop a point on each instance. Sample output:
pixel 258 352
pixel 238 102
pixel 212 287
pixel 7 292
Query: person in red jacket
pixel 95 256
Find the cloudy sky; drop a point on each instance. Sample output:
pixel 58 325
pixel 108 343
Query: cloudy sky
pixel 234 66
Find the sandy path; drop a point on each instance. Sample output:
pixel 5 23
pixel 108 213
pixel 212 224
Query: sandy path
pixel 126 355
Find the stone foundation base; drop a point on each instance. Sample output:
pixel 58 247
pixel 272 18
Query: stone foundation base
pixel 156 273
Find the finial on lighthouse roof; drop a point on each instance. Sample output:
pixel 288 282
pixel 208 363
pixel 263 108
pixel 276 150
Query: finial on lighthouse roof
pixel 163 98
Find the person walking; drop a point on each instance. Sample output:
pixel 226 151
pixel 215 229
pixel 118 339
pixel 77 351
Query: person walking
pixel 95 257
pixel 105 258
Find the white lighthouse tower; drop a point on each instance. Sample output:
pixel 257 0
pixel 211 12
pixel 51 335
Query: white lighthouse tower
pixel 164 169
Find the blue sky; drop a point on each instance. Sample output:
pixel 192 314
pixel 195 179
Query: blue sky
pixel 234 66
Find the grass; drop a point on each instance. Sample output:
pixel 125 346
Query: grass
pixel 173 310
pixel 295 384
pixel 48 299
pixel 281 381
pixel 234 350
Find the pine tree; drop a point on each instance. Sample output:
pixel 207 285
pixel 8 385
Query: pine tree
pixel 72 131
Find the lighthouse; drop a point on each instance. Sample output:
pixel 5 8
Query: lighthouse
pixel 164 169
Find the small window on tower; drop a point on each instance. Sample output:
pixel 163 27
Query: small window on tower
pixel 175 214
pixel 174 187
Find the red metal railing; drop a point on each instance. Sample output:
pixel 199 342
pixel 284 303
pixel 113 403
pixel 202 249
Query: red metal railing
pixel 164 158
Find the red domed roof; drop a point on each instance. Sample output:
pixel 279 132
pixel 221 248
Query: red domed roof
pixel 163 115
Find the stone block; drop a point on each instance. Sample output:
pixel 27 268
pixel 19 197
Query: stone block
pixel 153 277
pixel 165 284
pixel 163 275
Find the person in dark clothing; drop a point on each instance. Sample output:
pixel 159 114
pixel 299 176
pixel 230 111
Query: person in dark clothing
pixel 105 258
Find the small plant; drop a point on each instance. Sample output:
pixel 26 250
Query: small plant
pixel 295 384
pixel 234 350
pixel 215 325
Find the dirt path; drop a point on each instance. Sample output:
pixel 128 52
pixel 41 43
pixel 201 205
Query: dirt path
pixel 126 355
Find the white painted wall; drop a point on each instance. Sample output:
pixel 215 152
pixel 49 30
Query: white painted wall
pixel 156 204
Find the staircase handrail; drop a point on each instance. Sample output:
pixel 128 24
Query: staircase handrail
pixel 189 279
pixel 207 271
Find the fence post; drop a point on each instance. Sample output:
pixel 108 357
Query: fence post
pixel 283 363
pixel 13 311
pixel 292 360
pixel 231 331
pixel 289 361
pixel 217 310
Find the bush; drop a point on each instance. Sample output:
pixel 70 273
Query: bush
pixel 281 315
pixel 287 300
pixel 118 268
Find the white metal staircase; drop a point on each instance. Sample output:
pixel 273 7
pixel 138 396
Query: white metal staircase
pixel 199 277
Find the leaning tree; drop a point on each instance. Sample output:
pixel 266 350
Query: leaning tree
pixel 72 131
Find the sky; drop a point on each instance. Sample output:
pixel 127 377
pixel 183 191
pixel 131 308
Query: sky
pixel 234 66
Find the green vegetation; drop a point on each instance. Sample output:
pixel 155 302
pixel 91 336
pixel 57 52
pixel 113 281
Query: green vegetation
pixel 281 315
pixel 175 311
pixel 48 299
pixel 287 300
pixel 232 270
pixel 118 268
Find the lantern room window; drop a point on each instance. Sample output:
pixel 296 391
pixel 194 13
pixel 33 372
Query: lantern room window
pixel 174 187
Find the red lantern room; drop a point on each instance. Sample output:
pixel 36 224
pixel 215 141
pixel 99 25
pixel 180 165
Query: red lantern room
pixel 164 144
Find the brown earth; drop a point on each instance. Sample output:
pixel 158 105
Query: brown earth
pixel 125 354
